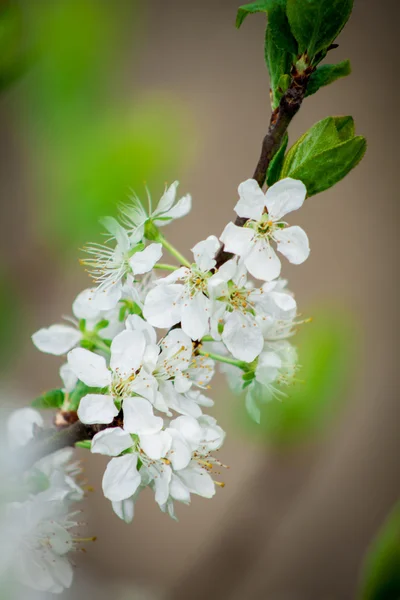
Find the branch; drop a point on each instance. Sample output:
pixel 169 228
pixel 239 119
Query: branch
pixel 279 123
pixel 49 441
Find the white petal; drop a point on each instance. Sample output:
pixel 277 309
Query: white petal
pixel 117 231
pixel 157 445
pixel 161 485
pixel 181 209
pixel 136 323
pixel 89 367
pixel 145 385
pixel 189 428
pixel 57 339
pixel 252 200
pixel 182 384
pixel 284 197
pixel 205 251
pixel 181 452
pixel 21 424
pixel 121 478
pixel 197 481
pixel 143 262
pixel 176 345
pixel 242 337
pixel 267 368
pixel 127 350
pixel 195 313
pixel 68 377
pixel 139 417
pixel 178 490
pixel 180 273
pixel 111 442
pixel 106 299
pixel 83 307
pixel 97 408
pixel 167 199
pixel 293 243
pixel 161 307
pixel 125 509
pixel 285 302
pixel 262 262
pixel 237 239
pixel 213 435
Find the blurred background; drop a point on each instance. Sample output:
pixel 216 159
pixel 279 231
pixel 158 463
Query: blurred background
pixel 97 98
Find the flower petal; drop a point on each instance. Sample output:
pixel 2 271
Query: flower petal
pixel 181 209
pixel 143 262
pixel 68 377
pixel 190 430
pixel 181 452
pixel 97 408
pixel 157 445
pixel 293 243
pixel 56 339
pixel 127 350
pixel 205 251
pixel 111 441
pixel 166 200
pixel 267 368
pixel 195 313
pixel 262 262
pixel 161 485
pixel 197 481
pixel 124 509
pixel 237 239
pixel 136 323
pixel 21 424
pixel 139 417
pixel 252 200
pixel 242 337
pixel 161 306
pixel 285 196
pixel 121 478
pixel 83 307
pixel 89 367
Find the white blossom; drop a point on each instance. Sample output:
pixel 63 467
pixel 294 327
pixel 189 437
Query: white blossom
pixel 264 213
pixel 170 302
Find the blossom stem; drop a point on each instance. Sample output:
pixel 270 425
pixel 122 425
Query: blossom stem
pixel 172 250
pixel 224 359
pixel 165 267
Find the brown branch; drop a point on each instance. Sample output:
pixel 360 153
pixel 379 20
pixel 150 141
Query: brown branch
pixel 279 123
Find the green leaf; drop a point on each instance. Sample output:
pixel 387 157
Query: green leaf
pixel 279 64
pixel 276 164
pixel 253 7
pixel 381 569
pixel 81 389
pixel 327 74
pixel 330 166
pixel 51 399
pixel 279 27
pixel 316 23
pixel 325 154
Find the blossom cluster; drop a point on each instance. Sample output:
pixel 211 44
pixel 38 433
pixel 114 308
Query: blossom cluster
pixel 141 350
pixel 37 523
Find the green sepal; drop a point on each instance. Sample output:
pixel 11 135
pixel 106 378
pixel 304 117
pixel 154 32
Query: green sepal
pixel 151 232
pixel 82 325
pixel 86 444
pixel 138 248
pixel 316 23
pixel 276 164
pixel 51 399
pixel 101 325
pixel 327 74
pixel 249 376
pixel 325 154
pixel 81 390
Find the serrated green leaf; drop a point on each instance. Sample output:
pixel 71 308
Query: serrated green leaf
pixel 327 168
pixel 381 569
pixel 280 29
pixel 316 23
pixel 51 399
pixel 276 164
pixel 327 74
